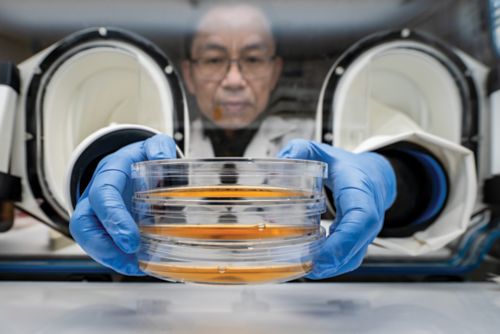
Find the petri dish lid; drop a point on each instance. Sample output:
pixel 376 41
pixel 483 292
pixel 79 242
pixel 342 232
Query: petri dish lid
pixel 229 167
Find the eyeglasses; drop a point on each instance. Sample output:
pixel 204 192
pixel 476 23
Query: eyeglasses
pixel 216 68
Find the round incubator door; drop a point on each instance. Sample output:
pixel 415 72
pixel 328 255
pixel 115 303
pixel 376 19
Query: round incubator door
pixel 393 82
pixel 91 80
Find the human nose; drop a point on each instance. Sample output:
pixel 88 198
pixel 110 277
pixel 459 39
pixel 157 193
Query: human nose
pixel 234 76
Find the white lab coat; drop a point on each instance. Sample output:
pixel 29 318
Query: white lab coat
pixel 273 134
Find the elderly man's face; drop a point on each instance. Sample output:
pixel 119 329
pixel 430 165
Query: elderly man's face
pixel 233 67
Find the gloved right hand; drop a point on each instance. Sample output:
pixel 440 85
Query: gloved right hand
pixel 101 223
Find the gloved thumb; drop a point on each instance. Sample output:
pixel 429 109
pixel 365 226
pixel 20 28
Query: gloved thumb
pixel 160 147
pixel 311 150
pixel 298 149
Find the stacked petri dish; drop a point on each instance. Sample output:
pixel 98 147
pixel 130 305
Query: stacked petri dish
pixel 228 221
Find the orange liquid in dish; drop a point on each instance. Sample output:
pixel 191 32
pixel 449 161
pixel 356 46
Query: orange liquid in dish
pixel 225 192
pixel 227 275
pixel 229 231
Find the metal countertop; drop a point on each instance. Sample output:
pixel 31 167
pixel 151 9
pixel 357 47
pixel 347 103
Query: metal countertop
pixel 39 307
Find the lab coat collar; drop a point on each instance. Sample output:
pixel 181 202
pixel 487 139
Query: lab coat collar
pixel 271 131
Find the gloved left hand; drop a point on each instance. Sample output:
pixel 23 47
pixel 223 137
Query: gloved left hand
pixel 101 222
pixel 363 187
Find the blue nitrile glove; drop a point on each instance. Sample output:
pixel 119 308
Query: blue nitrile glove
pixel 102 223
pixel 363 187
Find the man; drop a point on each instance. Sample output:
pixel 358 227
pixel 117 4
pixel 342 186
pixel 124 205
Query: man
pixel 232 70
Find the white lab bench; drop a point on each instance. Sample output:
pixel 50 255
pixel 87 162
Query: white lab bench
pixel 39 307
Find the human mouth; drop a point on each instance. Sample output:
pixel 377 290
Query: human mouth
pixel 234 107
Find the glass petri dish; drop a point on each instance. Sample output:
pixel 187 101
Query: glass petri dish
pixel 236 178
pixel 228 221
pixel 232 262
pixel 228 226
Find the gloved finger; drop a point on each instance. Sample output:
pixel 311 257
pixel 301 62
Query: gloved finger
pixel 111 183
pixel 358 224
pixel 356 228
pixel 322 269
pixel 95 240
